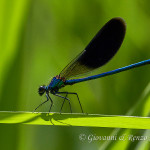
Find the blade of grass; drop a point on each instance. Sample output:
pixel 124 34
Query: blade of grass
pixel 12 17
pixel 65 119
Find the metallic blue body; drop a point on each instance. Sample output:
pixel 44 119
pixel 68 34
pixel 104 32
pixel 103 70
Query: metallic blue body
pixel 141 63
pixel 55 84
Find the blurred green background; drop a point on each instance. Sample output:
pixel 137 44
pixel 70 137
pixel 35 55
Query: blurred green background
pixel 39 38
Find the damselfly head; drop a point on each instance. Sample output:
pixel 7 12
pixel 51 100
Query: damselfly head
pixel 42 90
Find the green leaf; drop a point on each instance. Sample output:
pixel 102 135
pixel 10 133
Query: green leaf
pixel 65 119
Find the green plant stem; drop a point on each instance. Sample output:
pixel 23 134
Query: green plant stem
pixel 66 119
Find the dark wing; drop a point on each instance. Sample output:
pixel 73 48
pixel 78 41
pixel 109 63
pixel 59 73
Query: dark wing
pixel 99 51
